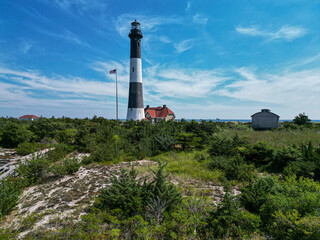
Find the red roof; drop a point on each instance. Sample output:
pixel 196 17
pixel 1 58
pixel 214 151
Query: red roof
pixel 28 116
pixel 158 112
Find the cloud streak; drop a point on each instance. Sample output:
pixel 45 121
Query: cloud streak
pixel 82 6
pixel 149 23
pixel 200 19
pixel 183 45
pixel 295 90
pixel 286 32
pixel 186 89
pixel 182 83
pixel 59 86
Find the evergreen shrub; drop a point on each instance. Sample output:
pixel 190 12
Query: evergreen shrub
pixel 33 170
pixel 10 189
pixel 133 197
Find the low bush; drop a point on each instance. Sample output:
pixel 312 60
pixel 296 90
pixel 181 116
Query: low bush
pixel 133 197
pixel 10 189
pixel 259 153
pixel 26 148
pixel 188 141
pixel 162 142
pixel 59 152
pixel 233 167
pixel 228 220
pixel 256 193
pixel 33 170
pixel 302 119
pixel 71 165
pixel 14 134
pixel 221 145
pixel 104 153
pixel 284 157
pixel 67 166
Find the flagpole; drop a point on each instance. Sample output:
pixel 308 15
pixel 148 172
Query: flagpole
pixel 117 94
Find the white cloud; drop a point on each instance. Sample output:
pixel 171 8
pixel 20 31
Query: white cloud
pixel 62 86
pixel 183 45
pixel 295 91
pixel 30 91
pixel 189 3
pixel 65 35
pixel 163 39
pixel 105 67
pixel 199 19
pixel 69 36
pixel 25 47
pixel 286 32
pixel 182 83
pixel 148 23
pixel 192 93
pixel 81 6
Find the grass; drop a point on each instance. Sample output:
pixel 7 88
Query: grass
pixel 185 167
pixel 278 139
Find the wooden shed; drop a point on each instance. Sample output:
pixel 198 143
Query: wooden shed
pixel 265 120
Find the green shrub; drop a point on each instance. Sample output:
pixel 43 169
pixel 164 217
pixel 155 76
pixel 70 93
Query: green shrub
pixel 162 142
pixel 66 136
pixel 7 234
pixel 188 141
pixel 300 194
pixel 159 194
pixel 142 149
pixel 71 165
pixel 33 170
pixel 283 157
pixel 10 189
pixel 132 197
pixel 229 221
pixel 300 168
pixel 200 157
pixel 125 193
pixel 225 146
pixel 260 154
pixel 289 226
pixel 26 148
pixel 220 146
pixel 256 193
pixel 67 166
pixel 59 152
pixel 104 153
pixel 13 134
pixel 302 119
pixel 233 167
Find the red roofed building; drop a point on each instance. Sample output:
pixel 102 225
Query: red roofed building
pixel 28 117
pixel 159 114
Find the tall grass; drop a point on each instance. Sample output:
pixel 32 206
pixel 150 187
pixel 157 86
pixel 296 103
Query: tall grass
pixel 186 166
pixel 278 139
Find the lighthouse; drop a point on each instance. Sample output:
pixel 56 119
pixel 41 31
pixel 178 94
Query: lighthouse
pixel 135 103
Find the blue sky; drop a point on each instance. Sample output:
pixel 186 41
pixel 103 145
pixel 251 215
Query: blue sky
pixel 204 59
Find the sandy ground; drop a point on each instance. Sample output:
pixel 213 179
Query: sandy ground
pixel 71 195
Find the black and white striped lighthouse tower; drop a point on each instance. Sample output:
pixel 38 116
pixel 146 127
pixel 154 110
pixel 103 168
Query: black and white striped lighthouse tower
pixel 135 104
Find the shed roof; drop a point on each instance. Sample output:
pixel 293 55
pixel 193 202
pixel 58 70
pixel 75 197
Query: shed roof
pixel 265 113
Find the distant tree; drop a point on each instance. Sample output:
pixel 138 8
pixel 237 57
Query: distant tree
pixel 13 134
pixel 188 141
pixel 302 119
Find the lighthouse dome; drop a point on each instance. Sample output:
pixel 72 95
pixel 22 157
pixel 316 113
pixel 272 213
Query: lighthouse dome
pixel 135 25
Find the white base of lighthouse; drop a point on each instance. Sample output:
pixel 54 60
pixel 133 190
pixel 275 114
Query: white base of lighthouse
pixel 136 114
